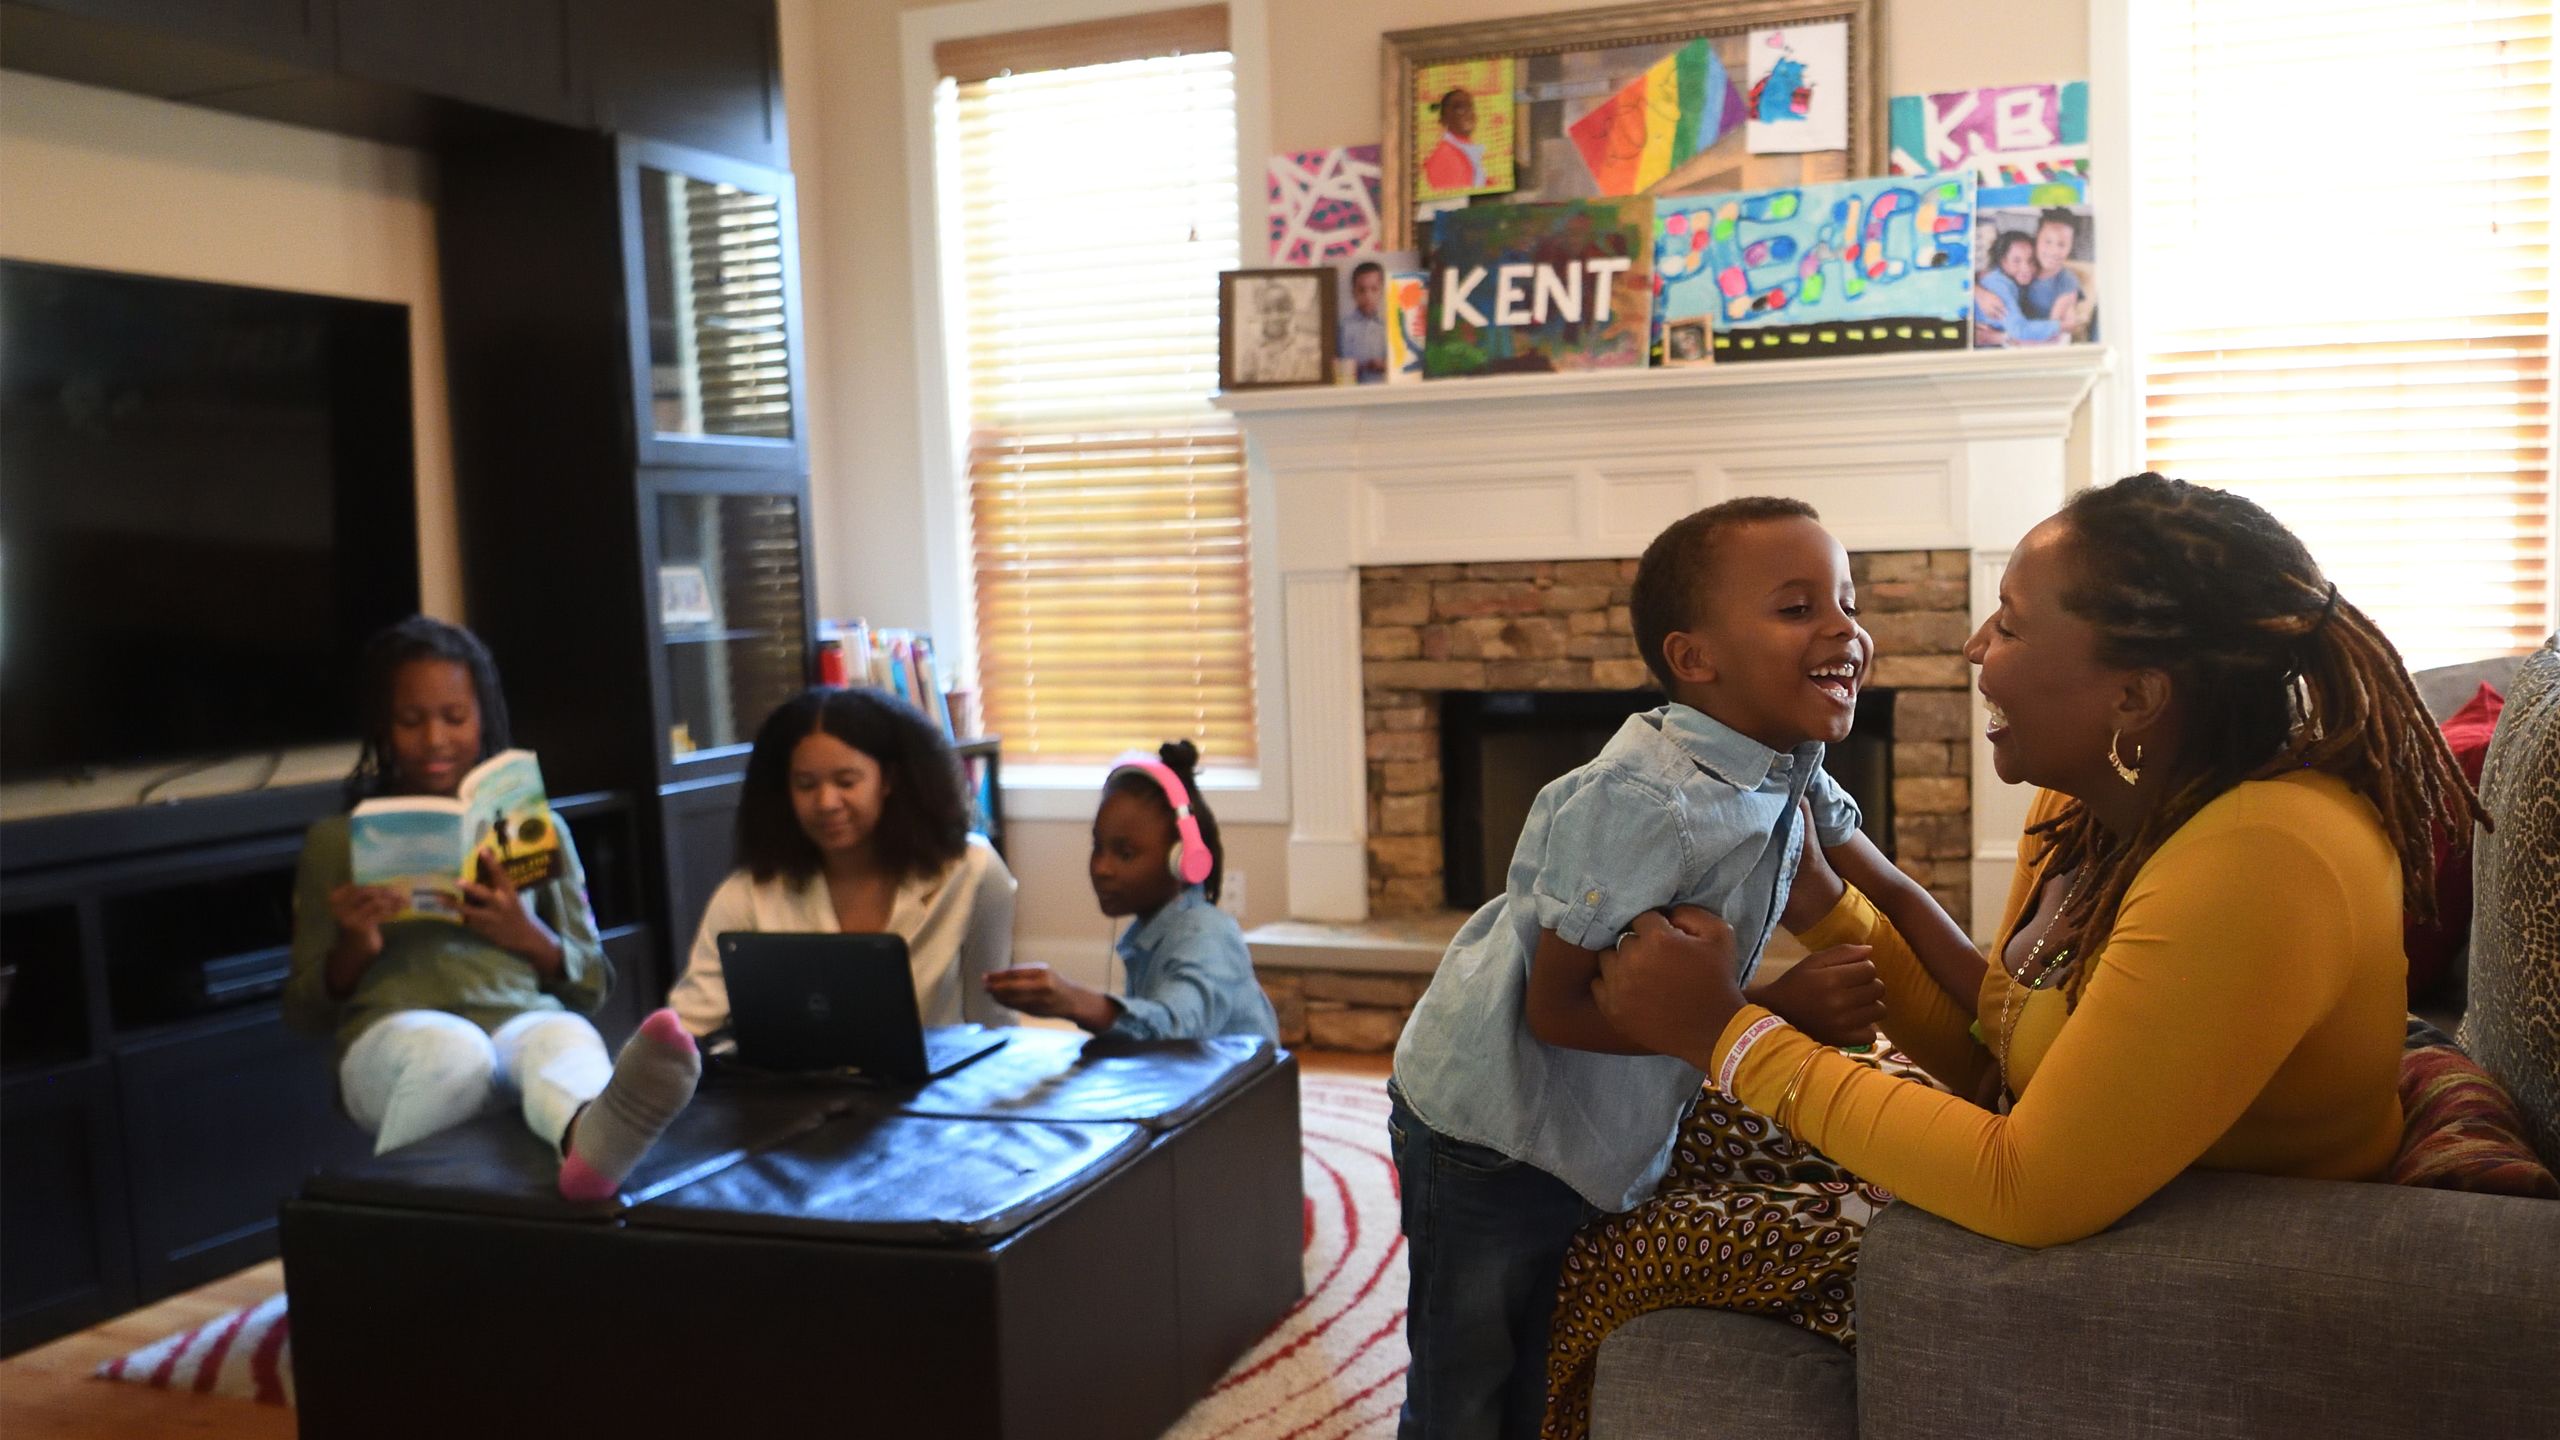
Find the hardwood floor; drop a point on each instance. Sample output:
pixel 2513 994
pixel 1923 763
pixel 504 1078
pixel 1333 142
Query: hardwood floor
pixel 50 1393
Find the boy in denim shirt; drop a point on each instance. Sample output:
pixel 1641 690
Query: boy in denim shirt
pixel 1519 1113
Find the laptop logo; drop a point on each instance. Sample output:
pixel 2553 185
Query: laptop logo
pixel 818 1008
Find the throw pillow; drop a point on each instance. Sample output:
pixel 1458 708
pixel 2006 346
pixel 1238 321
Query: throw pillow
pixel 2432 947
pixel 2460 1131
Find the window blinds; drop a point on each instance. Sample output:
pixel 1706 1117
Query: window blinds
pixel 2345 273
pixel 1087 212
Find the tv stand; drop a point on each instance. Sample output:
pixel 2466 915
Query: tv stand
pixel 153 1108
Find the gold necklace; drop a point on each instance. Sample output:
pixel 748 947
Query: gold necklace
pixel 2008 993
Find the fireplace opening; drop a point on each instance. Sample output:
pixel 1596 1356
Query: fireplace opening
pixel 1499 748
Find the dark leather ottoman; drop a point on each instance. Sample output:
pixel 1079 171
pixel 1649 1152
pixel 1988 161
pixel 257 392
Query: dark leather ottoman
pixel 1065 1239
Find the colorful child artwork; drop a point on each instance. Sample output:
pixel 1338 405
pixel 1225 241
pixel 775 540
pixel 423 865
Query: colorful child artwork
pixel 2007 135
pixel 1408 297
pixel 2035 267
pixel 1854 267
pixel 1361 347
pixel 1659 121
pixel 1799 100
pixel 1462 128
pixel 1566 286
pixel 1324 204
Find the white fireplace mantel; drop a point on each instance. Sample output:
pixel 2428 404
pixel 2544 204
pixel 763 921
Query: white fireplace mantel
pixel 1921 451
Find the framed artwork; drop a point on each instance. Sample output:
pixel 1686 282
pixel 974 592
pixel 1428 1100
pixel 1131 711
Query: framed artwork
pixel 1855 267
pixel 1674 97
pixel 1527 288
pixel 684 596
pixel 1363 347
pixel 1275 328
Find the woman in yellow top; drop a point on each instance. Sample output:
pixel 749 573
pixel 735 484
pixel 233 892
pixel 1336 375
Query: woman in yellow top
pixel 2200 962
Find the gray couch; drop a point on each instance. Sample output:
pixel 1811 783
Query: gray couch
pixel 2227 1305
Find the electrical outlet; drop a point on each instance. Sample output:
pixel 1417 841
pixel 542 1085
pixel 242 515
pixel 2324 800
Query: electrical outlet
pixel 1231 894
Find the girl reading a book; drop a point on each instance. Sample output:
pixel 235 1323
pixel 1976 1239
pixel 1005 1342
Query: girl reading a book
pixel 1156 860
pixel 853 820
pixel 437 1019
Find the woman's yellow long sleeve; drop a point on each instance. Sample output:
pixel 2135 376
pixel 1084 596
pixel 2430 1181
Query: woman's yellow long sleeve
pixel 2244 1014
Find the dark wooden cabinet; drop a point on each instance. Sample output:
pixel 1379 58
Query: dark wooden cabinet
pixel 66 1252
pixel 704 73
pixel 510 55
pixel 221 1121
pixel 700 73
pixel 701 823
pixel 295 32
pixel 154 1109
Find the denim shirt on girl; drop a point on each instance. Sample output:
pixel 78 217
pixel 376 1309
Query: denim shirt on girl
pixel 1678 809
pixel 1190 976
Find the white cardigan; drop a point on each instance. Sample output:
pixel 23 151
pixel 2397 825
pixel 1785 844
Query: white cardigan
pixel 958 925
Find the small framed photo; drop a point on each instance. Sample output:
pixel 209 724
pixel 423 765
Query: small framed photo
pixel 1275 328
pixel 684 596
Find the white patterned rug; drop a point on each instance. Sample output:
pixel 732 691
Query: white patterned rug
pixel 1333 1369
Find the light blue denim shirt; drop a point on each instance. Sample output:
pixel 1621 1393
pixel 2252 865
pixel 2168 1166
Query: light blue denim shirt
pixel 1190 976
pixel 1678 809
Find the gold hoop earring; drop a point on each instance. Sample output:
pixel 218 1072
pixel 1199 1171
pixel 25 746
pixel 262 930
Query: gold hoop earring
pixel 2129 774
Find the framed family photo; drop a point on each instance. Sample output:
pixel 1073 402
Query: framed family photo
pixel 1672 97
pixel 1275 328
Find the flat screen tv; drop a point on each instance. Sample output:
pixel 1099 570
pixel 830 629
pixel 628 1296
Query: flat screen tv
pixel 207 501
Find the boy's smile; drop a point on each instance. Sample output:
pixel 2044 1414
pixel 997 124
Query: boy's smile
pixel 1779 637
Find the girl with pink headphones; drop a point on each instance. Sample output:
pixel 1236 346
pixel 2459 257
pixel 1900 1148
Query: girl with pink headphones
pixel 1156 859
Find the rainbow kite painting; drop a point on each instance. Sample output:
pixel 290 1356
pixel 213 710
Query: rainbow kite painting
pixel 1684 103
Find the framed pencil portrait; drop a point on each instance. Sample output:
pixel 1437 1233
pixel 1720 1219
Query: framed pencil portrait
pixel 1275 328
pixel 1674 97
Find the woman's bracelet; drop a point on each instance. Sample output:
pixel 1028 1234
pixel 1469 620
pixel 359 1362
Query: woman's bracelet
pixel 1788 1100
pixel 1742 1046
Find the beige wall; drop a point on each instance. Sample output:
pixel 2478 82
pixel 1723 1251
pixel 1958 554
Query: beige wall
pixel 122 182
pixel 841 64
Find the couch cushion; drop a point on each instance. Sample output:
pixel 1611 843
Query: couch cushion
pixel 1707 1374
pixel 2225 1306
pixel 2513 1024
pixel 1044 1074
pixel 493 1165
pixel 903 1179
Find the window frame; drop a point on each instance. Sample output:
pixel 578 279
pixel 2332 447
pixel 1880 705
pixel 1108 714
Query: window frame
pixel 1066 792
pixel 2117 410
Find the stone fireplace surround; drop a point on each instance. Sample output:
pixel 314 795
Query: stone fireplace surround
pixel 1564 625
pixel 1928 466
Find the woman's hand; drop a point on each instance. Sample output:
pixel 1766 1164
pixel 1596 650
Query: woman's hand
pixel 497 914
pixel 1833 995
pixel 1670 987
pixel 1818 887
pixel 1039 990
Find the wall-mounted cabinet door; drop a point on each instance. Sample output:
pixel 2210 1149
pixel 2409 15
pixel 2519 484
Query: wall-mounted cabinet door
pixel 711 255
pixel 732 613
pixel 297 32
pixel 221 1123
pixel 66 1256
pixel 705 73
pixel 511 55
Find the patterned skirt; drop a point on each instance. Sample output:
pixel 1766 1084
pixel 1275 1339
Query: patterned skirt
pixel 1748 1219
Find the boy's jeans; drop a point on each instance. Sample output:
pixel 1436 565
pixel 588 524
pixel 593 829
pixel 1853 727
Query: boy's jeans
pixel 1485 1237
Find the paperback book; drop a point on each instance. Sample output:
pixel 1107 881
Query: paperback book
pixel 426 846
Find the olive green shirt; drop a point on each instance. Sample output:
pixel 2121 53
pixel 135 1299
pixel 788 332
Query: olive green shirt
pixel 436 964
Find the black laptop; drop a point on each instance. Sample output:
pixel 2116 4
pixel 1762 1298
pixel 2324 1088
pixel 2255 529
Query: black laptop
pixel 838 1003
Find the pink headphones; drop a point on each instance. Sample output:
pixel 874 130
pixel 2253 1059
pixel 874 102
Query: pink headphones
pixel 1189 860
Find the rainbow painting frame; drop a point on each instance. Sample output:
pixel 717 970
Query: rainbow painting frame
pixel 1594 56
pixel 1850 268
